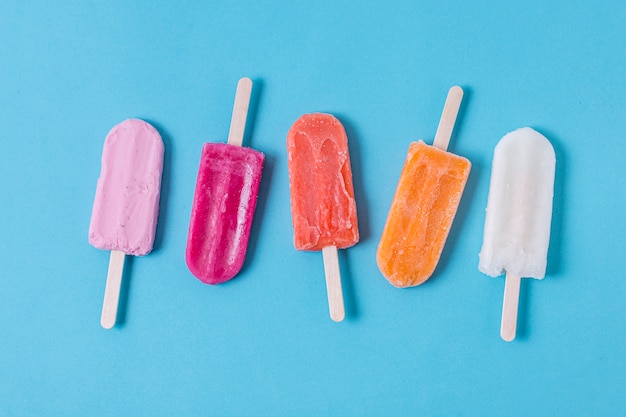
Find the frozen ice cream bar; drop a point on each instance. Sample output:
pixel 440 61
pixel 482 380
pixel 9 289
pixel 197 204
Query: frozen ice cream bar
pixel 126 205
pixel 519 213
pixel 424 205
pixel 225 200
pixel 323 208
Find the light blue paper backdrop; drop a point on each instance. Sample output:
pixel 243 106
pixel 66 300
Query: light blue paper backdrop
pixel 263 344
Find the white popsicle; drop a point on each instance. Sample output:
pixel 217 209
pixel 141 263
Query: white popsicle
pixel 519 213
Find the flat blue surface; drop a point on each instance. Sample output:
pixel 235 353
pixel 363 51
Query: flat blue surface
pixel 263 344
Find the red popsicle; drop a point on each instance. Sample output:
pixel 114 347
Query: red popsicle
pixel 322 196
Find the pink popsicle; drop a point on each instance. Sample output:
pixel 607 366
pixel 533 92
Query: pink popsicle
pixel 126 205
pixel 224 202
pixel 223 208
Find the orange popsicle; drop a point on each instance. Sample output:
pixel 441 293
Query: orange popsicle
pixel 424 206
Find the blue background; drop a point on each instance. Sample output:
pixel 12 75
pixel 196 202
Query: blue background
pixel 263 343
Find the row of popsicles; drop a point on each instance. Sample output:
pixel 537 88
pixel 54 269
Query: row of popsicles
pixel 323 207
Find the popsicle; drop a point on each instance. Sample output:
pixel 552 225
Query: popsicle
pixel 424 205
pixel 126 205
pixel 323 208
pixel 225 200
pixel 519 213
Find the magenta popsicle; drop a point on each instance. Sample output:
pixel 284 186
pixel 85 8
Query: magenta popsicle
pixel 225 200
pixel 223 208
pixel 126 206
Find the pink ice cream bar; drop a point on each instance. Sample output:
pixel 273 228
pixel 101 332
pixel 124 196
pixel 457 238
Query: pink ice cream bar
pixel 223 208
pixel 126 206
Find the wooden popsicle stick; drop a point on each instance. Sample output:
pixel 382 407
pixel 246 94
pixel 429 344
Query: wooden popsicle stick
pixel 333 283
pixel 112 289
pixel 510 304
pixel 448 118
pixel 240 112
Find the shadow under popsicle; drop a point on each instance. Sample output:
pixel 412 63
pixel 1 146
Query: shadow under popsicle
pixel 253 109
pixel 525 290
pixel 122 306
pixel 347 283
